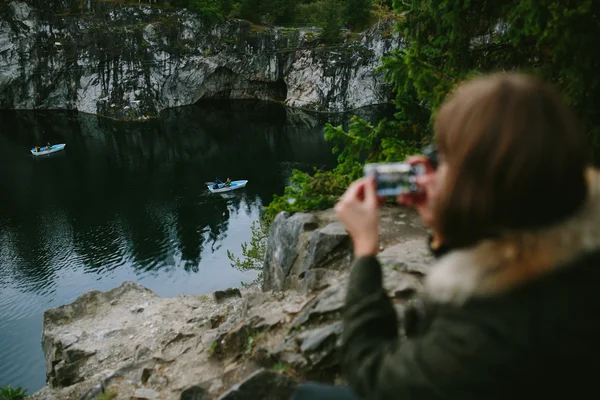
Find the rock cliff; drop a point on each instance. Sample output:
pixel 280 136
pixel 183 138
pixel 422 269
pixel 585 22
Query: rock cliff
pixel 234 344
pixel 130 62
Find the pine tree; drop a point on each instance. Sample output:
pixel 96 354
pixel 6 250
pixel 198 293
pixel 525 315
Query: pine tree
pixel 333 24
pixel 450 40
pixel 250 10
pixel 207 9
pixel 358 13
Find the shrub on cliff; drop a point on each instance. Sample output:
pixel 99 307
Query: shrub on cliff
pixel 10 393
pixel 358 13
pixel 210 10
pixel 263 11
pixel 333 24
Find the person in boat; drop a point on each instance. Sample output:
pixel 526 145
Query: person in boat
pixel 511 305
pixel 37 149
pixel 48 146
pixel 217 183
pixel 228 182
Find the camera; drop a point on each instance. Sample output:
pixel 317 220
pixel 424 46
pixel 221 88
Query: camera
pixel 393 179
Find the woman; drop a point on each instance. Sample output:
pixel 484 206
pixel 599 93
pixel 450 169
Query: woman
pixel 511 308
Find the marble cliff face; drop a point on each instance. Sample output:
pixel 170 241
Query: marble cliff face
pixel 130 62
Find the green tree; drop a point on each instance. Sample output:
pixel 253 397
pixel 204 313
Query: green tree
pixel 226 7
pixel 358 13
pixel 207 9
pixel 253 253
pixel 333 24
pixel 450 40
pixel 279 11
pixel 250 10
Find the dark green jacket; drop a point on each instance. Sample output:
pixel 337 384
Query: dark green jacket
pixel 513 317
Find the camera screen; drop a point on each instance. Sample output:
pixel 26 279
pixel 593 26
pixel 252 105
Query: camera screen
pixel 392 184
pixel 392 179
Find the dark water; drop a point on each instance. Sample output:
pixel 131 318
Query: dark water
pixel 127 201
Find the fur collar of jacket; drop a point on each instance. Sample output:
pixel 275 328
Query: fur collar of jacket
pixel 498 265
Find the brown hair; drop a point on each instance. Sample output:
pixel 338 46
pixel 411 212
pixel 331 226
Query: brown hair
pixel 516 158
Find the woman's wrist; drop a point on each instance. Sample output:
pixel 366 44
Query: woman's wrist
pixel 366 248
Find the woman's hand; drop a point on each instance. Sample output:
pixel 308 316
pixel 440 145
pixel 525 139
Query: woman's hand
pixel 358 210
pixel 424 200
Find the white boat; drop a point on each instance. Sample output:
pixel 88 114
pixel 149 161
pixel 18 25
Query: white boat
pixel 222 188
pixel 44 151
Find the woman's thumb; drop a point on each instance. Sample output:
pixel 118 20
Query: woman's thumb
pixel 371 192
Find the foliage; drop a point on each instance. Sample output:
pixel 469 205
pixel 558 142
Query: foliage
pixel 282 367
pixel 253 253
pixel 357 13
pixel 333 23
pixel 211 10
pixel 250 10
pixel 450 40
pixel 10 393
pixel 266 11
pixel 313 13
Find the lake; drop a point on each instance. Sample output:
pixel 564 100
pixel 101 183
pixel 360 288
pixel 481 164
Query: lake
pixel 127 201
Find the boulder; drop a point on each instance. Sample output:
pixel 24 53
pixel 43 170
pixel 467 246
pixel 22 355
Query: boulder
pixel 411 256
pixel 329 247
pixel 284 244
pixel 225 294
pixel 304 251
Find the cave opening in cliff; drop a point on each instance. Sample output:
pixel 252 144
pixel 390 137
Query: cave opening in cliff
pixel 224 83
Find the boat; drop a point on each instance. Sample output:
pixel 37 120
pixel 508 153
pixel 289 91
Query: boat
pixel 222 188
pixel 44 150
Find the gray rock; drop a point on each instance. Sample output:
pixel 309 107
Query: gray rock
pixel 145 394
pixel 73 355
pixel 282 247
pixel 294 359
pixel 142 353
pixel 401 285
pixel 328 245
pixel 264 385
pixel 314 339
pixel 195 393
pixel 412 256
pixel 328 301
pixel 226 294
pixel 65 374
pixel 21 10
pixel 316 279
pixel 145 375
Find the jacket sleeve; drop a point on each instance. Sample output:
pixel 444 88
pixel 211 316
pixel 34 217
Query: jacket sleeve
pixel 452 354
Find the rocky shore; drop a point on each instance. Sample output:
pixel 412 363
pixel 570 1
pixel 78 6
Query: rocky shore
pixel 252 343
